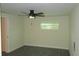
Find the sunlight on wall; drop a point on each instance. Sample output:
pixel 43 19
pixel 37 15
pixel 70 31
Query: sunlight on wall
pixel 50 26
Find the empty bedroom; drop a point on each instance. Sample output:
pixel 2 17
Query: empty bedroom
pixel 39 29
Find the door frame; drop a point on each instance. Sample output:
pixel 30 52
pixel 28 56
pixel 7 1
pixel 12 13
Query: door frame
pixel 4 36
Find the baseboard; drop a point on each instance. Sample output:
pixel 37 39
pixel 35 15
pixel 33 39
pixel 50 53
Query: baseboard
pixel 38 46
pixel 47 46
pixel 4 53
pixel 14 49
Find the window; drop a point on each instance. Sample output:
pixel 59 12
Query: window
pixel 49 26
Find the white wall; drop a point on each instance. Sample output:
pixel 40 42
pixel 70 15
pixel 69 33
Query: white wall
pixel 0 34
pixel 35 36
pixel 75 31
pixel 22 32
pixel 15 31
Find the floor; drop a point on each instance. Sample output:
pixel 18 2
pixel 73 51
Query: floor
pixel 37 51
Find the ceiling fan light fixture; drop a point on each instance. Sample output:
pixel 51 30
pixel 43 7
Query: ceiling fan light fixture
pixel 31 17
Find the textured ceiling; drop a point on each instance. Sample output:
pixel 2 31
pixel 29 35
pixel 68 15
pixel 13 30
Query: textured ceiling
pixel 47 8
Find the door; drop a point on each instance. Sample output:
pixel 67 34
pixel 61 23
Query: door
pixel 4 34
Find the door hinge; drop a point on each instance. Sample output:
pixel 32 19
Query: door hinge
pixel 74 46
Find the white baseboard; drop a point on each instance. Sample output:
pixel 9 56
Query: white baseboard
pixel 37 46
pixel 10 50
pixel 46 46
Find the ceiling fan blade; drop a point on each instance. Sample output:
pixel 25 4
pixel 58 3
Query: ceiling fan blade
pixel 40 13
pixel 24 13
pixel 21 15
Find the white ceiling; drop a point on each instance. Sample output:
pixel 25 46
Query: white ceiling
pixel 47 8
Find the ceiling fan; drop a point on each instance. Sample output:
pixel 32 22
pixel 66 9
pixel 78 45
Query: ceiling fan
pixel 33 15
